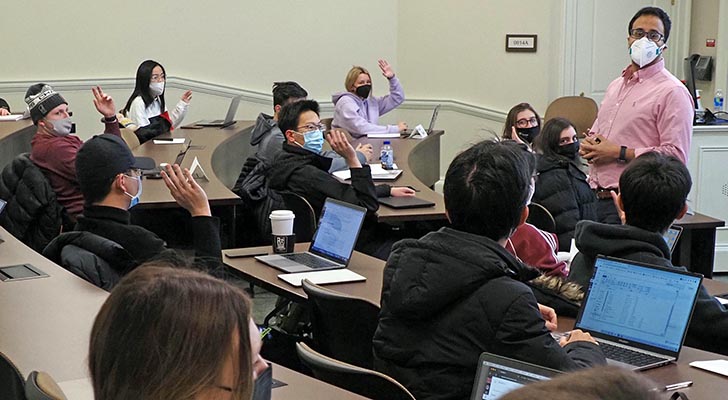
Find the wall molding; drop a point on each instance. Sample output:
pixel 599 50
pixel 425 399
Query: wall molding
pixel 250 96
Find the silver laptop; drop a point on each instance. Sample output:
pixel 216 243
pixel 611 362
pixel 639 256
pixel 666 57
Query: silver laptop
pixel 229 118
pixel 498 376
pixel 332 244
pixel 411 132
pixel 671 236
pixel 638 313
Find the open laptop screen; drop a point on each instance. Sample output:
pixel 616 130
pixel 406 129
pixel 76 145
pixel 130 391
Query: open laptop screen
pixel 639 303
pixel 338 230
pixel 498 376
pixel 671 236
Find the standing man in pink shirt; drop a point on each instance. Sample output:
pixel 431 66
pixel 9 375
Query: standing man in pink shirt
pixel 645 109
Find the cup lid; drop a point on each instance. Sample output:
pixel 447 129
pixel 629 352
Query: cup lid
pixel 281 214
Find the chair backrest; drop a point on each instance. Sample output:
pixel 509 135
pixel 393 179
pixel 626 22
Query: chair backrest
pixel 131 139
pixel 541 218
pixel 342 326
pixel 41 386
pixel 33 214
pixel 362 381
pixel 327 122
pixel 304 225
pixel 580 110
pixel 11 380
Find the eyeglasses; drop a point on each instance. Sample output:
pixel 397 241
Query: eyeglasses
pixel 526 122
pixel 158 77
pixel 312 127
pixel 652 35
pixel 134 173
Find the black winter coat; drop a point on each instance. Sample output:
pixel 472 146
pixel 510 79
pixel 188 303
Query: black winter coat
pixel 451 295
pixel 33 214
pixel 562 188
pixel 709 326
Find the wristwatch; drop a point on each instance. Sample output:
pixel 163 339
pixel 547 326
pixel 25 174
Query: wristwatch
pixel 622 154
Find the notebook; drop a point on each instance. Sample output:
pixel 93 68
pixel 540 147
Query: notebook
pixel 671 236
pixel 157 171
pixel 322 277
pixel 405 202
pixel 229 118
pixel 332 244
pixel 638 313
pixel 498 376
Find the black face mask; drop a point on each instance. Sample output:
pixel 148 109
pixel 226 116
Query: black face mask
pixel 363 91
pixel 528 134
pixel 569 150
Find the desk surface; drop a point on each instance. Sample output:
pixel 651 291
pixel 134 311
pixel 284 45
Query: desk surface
pixel 45 323
pixel 15 137
pixel 699 221
pixel 7 128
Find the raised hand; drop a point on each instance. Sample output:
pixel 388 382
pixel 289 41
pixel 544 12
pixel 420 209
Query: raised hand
pixel 185 190
pixel 340 144
pixel 187 96
pixel 386 69
pixel 103 102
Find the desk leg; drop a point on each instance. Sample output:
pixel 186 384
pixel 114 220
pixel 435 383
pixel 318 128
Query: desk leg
pixel 696 251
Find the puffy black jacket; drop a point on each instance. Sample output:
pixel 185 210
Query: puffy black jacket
pixel 451 295
pixel 33 214
pixel 92 257
pixel 563 190
pixel 709 326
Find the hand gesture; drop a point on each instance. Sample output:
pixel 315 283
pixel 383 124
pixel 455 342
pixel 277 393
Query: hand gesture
pixel 187 96
pixel 4 111
pixel 386 69
pixel 549 316
pixel 620 211
pixel 366 149
pixel 401 191
pixel 340 144
pixel 103 102
pixel 185 190
pixel 597 149
pixel 402 126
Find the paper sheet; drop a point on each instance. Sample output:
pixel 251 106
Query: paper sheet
pixel 716 366
pixel 383 135
pixel 378 173
pixel 11 117
pixel 322 277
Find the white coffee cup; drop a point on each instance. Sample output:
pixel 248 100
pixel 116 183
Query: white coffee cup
pixel 281 222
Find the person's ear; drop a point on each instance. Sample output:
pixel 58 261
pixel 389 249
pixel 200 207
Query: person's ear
pixel 277 108
pixel 683 211
pixel 524 216
pixel 619 204
pixel 447 215
pixel 290 136
pixel 120 183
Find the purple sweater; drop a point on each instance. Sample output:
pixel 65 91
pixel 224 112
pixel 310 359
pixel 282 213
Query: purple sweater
pixel 360 116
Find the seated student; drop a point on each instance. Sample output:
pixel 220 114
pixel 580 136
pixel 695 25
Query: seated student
pixel 301 169
pixel 537 248
pixel 457 292
pixel 562 187
pixel 522 123
pixel 602 383
pixel 53 149
pixel 111 184
pixel 172 333
pixel 653 192
pixel 146 107
pixel 4 107
pixel 357 111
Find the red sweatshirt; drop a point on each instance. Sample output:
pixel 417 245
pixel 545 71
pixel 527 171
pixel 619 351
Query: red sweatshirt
pixel 538 249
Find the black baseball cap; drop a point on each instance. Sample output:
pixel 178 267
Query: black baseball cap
pixel 103 157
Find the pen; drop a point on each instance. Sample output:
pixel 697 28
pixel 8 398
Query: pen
pixel 267 330
pixel 679 385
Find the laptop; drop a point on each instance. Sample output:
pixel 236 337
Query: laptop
pixel 638 313
pixel 671 236
pixel 156 172
pixel 332 243
pixel 498 376
pixel 412 133
pixel 405 202
pixel 229 118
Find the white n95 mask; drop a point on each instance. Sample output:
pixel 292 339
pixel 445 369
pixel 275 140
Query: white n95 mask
pixel 644 51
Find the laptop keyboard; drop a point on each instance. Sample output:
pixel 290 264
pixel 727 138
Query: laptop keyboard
pixel 628 356
pixel 309 260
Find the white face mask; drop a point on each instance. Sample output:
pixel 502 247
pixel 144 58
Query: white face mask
pixel 156 88
pixel 62 127
pixel 135 198
pixel 644 51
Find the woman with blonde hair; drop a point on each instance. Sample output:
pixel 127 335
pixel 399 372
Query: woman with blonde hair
pixel 173 333
pixel 357 111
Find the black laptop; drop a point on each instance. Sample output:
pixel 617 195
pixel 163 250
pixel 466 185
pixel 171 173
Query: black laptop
pixel 405 202
pixel 498 376
pixel 229 117
pixel 156 172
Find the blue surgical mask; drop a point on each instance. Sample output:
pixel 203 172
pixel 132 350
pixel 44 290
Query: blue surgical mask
pixel 313 141
pixel 135 198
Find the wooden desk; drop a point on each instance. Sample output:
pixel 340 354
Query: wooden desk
pixel 15 137
pixel 45 323
pixel 261 274
pixel 696 248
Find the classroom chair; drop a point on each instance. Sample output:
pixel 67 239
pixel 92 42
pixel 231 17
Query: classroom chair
pixel 580 110
pixel 541 218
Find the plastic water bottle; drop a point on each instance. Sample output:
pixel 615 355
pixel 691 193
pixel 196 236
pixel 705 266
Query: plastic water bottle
pixel 386 155
pixel 718 101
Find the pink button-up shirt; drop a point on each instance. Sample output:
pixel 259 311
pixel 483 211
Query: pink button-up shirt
pixel 648 110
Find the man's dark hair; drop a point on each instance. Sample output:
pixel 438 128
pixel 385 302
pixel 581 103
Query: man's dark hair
pixel 654 188
pixel 487 186
pixel 657 12
pixel 94 192
pixel 288 117
pixel 283 91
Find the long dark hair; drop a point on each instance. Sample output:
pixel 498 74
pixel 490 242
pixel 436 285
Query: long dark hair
pixel 513 115
pixel 143 77
pixel 547 142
